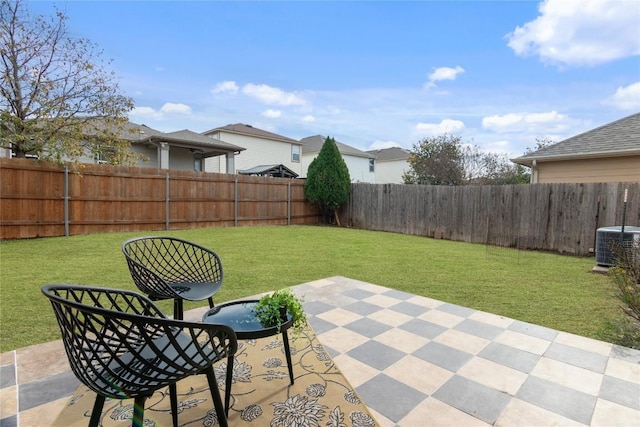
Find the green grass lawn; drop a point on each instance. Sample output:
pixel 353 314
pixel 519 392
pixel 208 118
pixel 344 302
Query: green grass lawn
pixel 546 289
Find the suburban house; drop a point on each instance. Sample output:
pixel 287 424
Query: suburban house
pixel 609 153
pixel 184 149
pixel 361 164
pixel 264 150
pixel 391 164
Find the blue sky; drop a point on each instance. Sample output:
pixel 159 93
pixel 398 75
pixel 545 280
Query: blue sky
pixel 372 74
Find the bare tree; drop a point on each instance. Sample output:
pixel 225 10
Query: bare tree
pixel 445 160
pixel 57 99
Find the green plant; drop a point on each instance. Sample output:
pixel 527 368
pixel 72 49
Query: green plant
pixel 272 308
pixel 328 183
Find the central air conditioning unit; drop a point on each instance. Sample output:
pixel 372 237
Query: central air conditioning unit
pixel 610 238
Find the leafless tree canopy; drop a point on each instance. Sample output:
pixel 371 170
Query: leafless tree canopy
pixel 58 100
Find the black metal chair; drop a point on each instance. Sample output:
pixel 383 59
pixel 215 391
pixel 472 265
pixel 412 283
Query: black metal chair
pixel 121 346
pixel 172 268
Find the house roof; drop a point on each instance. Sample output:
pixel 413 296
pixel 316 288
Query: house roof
pixel 243 129
pixel 390 154
pixel 618 138
pixel 313 144
pixel 270 170
pixel 141 134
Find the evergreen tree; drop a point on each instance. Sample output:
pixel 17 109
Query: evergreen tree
pixel 328 182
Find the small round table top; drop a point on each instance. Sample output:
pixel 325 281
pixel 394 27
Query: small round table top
pixel 241 317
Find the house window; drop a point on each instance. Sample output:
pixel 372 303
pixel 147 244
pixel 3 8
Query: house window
pixel 295 153
pixel 104 155
pixel 197 164
pixel 372 165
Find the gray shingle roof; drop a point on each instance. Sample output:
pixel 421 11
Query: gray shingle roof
pixel 390 154
pixel 313 144
pixel 618 138
pixel 270 170
pixel 242 129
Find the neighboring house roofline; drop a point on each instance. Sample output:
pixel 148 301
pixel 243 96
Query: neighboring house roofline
pixel 142 134
pixel 390 154
pixel 528 160
pixel 248 130
pixel 313 144
pixel 616 139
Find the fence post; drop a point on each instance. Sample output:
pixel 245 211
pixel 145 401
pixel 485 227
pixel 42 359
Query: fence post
pixel 235 203
pixel 289 203
pixel 66 200
pixel 166 202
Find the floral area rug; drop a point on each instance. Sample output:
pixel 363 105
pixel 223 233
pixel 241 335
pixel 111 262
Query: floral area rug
pixel 260 393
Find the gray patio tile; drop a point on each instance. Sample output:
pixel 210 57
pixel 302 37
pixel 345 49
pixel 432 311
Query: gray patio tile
pixel 479 329
pixel 414 310
pixel 458 310
pixel 520 360
pixel 390 397
pixel 423 328
pixel 316 307
pixel 562 400
pixel 397 294
pixel 620 391
pixel 367 327
pixel 443 356
pixel 376 355
pixel 358 294
pixel 319 325
pixel 625 353
pixel 577 357
pixel 475 399
pixel 46 390
pixel 11 421
pixel 7 376
pixel 362 308
pixel 533 330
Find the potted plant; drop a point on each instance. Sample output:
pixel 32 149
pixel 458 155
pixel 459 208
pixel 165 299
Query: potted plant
pixel 272 308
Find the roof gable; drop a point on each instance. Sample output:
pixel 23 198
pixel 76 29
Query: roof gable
pixel 313 144
pixel 618 138
pixel 390 154
pixel 248 130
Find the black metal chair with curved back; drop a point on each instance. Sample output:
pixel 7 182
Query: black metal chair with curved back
pixel 121 346
pixel 172 268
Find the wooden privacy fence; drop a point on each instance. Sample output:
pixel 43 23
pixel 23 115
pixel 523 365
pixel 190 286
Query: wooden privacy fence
pixel 553 217
pixel 42 199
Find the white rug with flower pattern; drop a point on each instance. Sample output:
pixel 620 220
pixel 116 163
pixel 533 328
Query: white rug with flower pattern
pixel 260 394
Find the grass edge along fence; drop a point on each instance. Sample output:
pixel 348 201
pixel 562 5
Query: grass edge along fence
pixel 550 217
pixel 40 199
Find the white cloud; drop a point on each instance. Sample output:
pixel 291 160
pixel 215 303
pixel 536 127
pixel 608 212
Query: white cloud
pixel 580 32
pixel 145 113
pixel 444 73
pixel 380 145
pixel 445 126
pixel 171 108
pixel 227 87
pixel 551 121
pixel 308 118
pixel 626 98
pixel 272 114
pixel 271 95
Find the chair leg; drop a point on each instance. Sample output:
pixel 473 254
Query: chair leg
pixel 210 302
pixel 229 380
pixel 287 353
pixel 138 411
pixel 173 398
pixel 215 395
pixel 97 411
pixel 177 309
